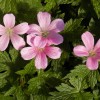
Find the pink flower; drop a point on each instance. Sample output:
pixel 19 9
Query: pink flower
pixel 11 32
pixel 47 31
pixel 39 53
pixel 89 50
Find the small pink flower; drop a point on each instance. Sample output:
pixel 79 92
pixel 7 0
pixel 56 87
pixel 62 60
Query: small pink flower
pixel 11 32
pixel 89 50
pixel 47 31
pixel 40 53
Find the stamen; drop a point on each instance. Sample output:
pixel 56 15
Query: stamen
pixel 92 53
pixel 45 34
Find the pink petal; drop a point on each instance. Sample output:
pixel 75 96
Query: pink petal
pixel 97 49
pixel 88 40
pixel 40 42
pixel 17 41
pixel 44 20
pixel 97 46
pixel 55 38
pixel 92 63
pixel 28 53
pixel 4 41
pixel 9 20
pixel 21 28
pixel 57 25
pixel 53 52
pixel 33 28
pixel 2 30
pixel 30 39
pixel 41 61
pixel 80 51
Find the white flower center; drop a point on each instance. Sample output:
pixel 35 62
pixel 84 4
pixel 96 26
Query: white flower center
pixel 9 31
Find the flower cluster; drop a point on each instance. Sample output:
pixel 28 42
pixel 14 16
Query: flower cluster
pixel 40 38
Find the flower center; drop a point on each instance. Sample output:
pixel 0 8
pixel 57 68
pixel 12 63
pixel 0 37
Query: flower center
pixel 9 31
pixel 45 34
pixel 92 53
pixel 40 49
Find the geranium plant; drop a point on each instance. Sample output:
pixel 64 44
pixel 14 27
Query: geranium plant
pixel 49 50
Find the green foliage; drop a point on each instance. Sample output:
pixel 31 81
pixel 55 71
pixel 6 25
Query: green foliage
pixel 73 29
pixel 58 63
pixel 75 85
pixel 79 71
pixel 92 78
pixel 4 57
pixel 50 4
pixel 11 91
pixel 73 2
pixel 96 4
pixel 36 85
pixel 28 69
pixel 13 54
pixel 20 94
pixel 36 4
pixel 8 6
pixel 2 97
pixel 4 72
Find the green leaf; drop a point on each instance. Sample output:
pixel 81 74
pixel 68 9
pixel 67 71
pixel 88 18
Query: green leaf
pixel 80 71
pixel 4 72
pixel 28 69
pixel 76 82
pixel 36 4
pixel 79 83
pixel 20 95
pixel 14 54
pixel 94 27
pixel 21 72
pixel 96 5
pixel 2 82
pixel 58 63
pixel 61 96
pixel 70 92
pixel 64 87
pixel 81 12
pixel 83 96
pixel 37 86
pixel 78 77
pixel 4 57
pixel 50 4
pixel 96 94
pixel 71 96
pixel 92 78
pixel 8 6
pixel 38 97
pixel 11 91
pixel 2 97
pixel 28 10
pixel 73 29
pixel 72 2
